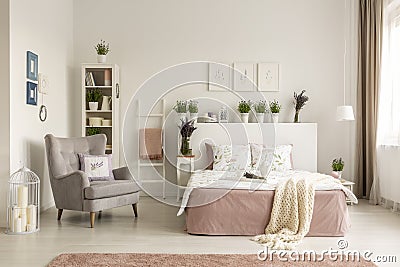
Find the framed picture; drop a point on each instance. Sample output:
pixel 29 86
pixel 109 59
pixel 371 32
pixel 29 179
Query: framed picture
pixel 268 77
pixel 219 77
pixel 243 77
pixel 31 66
pixel 31 93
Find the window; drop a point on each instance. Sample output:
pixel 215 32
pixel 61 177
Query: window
pixel 389 97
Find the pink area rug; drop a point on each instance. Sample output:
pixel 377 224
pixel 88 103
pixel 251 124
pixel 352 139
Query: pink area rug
pixel 190 260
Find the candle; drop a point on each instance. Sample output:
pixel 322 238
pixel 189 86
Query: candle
pixel 18 225
pixel 107 77
pixel 22 215
pixel 31 213
pixel 22 198
pixel 30 228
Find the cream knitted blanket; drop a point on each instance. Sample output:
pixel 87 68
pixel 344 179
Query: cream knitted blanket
pixel 291 214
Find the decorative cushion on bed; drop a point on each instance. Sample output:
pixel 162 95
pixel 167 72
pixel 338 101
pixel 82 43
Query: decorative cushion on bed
pixel 231 158
pixel 97 168
pixel 265 157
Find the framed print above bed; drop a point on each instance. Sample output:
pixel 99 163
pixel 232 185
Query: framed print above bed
pixel 243 77
pixel 219 73
pixel 268 77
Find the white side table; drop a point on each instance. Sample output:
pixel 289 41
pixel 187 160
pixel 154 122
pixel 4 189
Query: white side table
pixel 182 160
pixel 349 185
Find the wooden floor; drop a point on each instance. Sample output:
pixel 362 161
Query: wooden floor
pixel 159 230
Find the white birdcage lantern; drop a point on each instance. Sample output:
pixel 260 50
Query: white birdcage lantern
pixel 23 202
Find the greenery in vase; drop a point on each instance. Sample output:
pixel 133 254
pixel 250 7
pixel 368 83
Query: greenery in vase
pixel 261 106
pixel 180 106
pixel 244 106
pixel 93 131
pixel 193 106
pixel 93 95
pixel 299 102
pixel 337 165
pixel 274 106
pixel 102 48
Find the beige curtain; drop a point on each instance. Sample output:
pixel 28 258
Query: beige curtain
pixel 369 65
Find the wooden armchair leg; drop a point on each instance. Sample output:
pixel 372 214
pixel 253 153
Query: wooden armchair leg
pixel 92 218
pixel 60 211
pixel 134 206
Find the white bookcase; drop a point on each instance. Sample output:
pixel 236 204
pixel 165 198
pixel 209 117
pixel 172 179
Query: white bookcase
pixel 98 74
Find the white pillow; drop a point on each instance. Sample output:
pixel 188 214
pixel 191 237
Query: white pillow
pixel 267 157
pixel 231 158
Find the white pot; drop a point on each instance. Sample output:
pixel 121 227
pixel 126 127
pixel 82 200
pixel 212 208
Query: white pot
pixel 275 117
pixel 244 117
pixel 93 105
pixel 181 117
pixel 337 174
pixel 260 117
pixel 101 58
pixel 193 116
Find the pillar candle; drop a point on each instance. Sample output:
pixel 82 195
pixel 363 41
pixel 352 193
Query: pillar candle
pixel 18 225
pixel 30 227
pixel 107 77
pixel 31 213
pixel 23 219
pixel 22 198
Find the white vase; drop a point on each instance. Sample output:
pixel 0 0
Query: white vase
pixel 275 117
pixel 93 105
pixel 260 117
pixel 337 174
pixel 101 58
pixel 244 117
pixel 106 104
pixel 193 116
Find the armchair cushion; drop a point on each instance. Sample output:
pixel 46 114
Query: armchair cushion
pixel 97 168
pixel 104 189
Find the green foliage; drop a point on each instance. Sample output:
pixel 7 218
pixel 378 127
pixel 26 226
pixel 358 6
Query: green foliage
pixel 260 107
pixel 193 106
pixel 93 131
pixel 244 106
pixel 93 95
pixel 102 48
pixel 274 106
pixel 180 106
pixel 337 165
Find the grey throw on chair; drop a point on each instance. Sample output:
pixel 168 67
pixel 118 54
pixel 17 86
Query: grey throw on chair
pixel 71 187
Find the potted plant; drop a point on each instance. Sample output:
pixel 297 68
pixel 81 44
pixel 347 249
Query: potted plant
pixel 337 168
pixel 93 131
pixel 102 50
pixel 193 110
pixel 299 102
pixel 93 97
pixel 181 109
pixel 275 108
pixel 244 108
pixel 186 130
pixel 260 109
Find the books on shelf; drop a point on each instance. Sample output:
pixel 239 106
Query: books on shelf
pixel 89 79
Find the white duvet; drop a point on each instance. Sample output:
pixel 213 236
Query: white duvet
pixel 232 180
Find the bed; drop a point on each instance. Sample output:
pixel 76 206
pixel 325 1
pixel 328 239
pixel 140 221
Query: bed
pixel 216 203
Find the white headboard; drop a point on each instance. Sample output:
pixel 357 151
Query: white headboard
pixel 303 137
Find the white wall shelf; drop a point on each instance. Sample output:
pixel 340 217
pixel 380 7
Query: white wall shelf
pixel 112 132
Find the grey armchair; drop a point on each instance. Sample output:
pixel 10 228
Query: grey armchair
pixel 71 187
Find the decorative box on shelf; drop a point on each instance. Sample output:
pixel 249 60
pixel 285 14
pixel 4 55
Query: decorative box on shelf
pixel 23 207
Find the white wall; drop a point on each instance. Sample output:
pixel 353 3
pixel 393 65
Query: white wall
pixel 306 37
pixel 45 28
pixel 4 107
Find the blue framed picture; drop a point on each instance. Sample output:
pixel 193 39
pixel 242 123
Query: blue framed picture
pixel 31 93
pixel 31 66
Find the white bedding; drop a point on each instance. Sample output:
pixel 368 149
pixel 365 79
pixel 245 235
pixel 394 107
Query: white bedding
pixel 232 180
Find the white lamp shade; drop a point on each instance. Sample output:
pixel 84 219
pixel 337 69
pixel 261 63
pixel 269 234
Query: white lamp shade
pixel 344 113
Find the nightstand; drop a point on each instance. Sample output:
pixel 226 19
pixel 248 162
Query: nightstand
pixel 349 185
pixel 182 160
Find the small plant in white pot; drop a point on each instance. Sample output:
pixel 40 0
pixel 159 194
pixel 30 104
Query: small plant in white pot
pixel 102 50
pixel 260 108
pixel 181 109
pixel 244 108
pixel 337 168
pixel 193 110
pixel 93 97
pixel 275 108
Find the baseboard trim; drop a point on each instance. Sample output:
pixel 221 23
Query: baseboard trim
pixel 47 206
